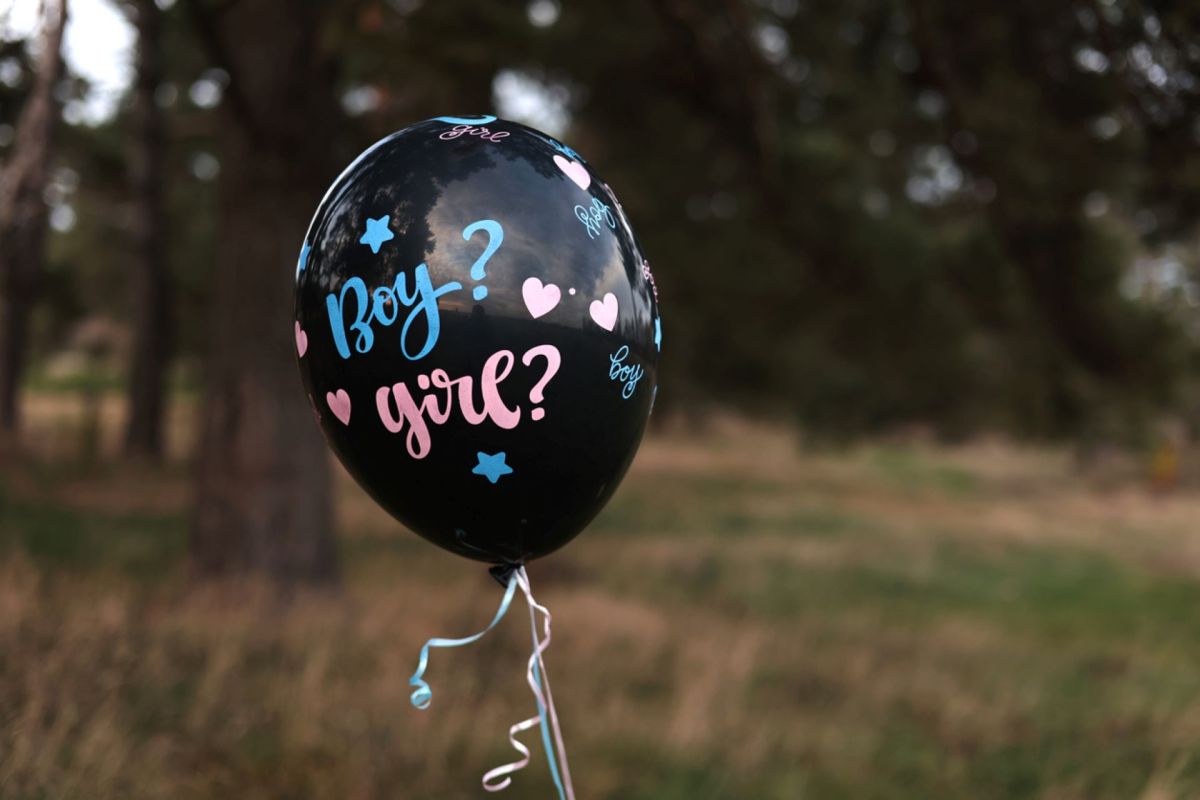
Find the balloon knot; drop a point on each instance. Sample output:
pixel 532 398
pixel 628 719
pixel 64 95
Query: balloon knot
pixel 422 697
pixel 503 572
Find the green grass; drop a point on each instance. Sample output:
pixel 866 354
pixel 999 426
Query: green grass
pixel 911 469
pixel 58 539
pixel 100 380
pixel 843 627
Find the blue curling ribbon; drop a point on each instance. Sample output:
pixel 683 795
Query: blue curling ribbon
pixel 546 736
pixel 543 691
pixel 422 695
pixel 546 717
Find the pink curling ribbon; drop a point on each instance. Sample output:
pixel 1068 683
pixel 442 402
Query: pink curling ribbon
pixel 539 683
pixel 538 680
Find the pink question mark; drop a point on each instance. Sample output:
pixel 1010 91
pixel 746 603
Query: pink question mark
pixel 553 359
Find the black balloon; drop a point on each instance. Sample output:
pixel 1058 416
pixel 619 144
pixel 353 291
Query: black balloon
pixel 478 332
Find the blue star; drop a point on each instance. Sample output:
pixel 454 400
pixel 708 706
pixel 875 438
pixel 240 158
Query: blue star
pixel 377 233
pixel 303 261
pixel 658 333
pixel 492 467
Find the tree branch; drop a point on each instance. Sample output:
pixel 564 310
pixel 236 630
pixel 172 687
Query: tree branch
pixel 203 19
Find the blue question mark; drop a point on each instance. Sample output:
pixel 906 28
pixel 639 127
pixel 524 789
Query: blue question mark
pixel 495 237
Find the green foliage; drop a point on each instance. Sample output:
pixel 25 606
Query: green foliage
pixel 862 214
pixel 139 546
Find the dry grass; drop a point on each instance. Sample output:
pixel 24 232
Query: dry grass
pixel 746 621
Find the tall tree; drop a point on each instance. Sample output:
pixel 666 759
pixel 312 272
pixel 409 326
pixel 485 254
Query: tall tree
pixel 23 215
pixel 152 291
pixel 263 501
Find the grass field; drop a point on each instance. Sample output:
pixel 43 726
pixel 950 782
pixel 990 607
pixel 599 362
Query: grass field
pixel 746 620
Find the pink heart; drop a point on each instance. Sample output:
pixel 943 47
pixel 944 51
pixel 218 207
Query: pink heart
pixel 339 404
pixel 301 340
pixel 605 313
pixel 540 299
pixel 575 171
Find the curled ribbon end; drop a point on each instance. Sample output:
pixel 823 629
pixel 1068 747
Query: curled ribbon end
pixel 422 697
pixel 496 787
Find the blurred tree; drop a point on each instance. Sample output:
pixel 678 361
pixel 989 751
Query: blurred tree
pixel 152 296
pixel 883 213
pixel 263 501
pixel 864 214
pixel 23 217
pixel 1076 337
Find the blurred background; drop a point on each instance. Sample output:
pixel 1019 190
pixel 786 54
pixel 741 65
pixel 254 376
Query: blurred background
pixel 919 512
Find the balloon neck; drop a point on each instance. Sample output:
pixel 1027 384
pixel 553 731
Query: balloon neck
pixel 503 573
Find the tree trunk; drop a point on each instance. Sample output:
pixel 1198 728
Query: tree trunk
pixel 152 291
pixel 23 214
pixel 263 501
